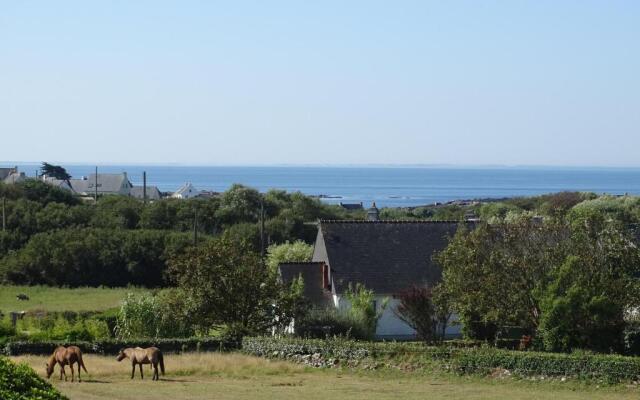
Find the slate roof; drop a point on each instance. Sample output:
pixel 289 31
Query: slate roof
pixel 153 193
pixel 107 183
pixel 311 275
pixel 5 172
pixel 185 191
pixel 351 206
pixel 59 183
pixel 385 256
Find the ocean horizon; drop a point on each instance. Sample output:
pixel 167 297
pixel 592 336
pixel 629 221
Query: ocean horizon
pixel 388 186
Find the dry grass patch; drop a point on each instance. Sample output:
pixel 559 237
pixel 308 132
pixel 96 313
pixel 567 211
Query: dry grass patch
pixel 218 376
pixel 189 364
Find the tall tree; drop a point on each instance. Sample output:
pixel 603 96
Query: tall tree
pixel 55 171
pixel 496 273
pixel 227 286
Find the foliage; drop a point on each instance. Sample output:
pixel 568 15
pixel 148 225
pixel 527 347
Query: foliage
pixel 93 257
pixel 54 171
pixel 288 252
pixel 497 272
pixel 416 308
pixel 320 323
pixel 569 283
pixel 149 316
pixel 225 283
pixel 112 346
pixel 363 307
pixel 463 360
pixel 584 306
pixel 20 382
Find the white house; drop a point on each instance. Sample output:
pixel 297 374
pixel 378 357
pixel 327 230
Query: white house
pixel 11 175
pixel 186 191
pixel 385 256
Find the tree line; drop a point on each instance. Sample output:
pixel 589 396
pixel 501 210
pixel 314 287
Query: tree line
pixel 52 237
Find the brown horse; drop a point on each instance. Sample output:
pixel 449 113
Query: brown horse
pixel 138 355
pixel 66 356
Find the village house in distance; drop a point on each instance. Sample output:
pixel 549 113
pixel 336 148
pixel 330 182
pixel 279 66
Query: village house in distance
pixel 102 184
pixel 385 256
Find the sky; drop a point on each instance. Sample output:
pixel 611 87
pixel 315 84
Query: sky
pixel 321 82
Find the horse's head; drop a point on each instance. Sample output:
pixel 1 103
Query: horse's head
pixel 49 368
pixel 121 355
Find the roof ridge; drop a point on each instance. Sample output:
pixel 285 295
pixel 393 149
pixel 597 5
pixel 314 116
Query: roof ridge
pixel 391 221
pixel 301 262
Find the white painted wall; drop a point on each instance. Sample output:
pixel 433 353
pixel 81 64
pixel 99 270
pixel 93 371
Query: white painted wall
pixel 390 326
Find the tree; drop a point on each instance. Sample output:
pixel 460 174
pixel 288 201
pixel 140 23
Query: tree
pixel 417 310
pixel 288 252
pixel 498 272
pixel 55 171
pixel 227 286
pixel 585 303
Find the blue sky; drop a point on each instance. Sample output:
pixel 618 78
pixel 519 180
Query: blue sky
pixel 301 82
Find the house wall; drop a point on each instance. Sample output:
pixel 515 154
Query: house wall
pixel 389 325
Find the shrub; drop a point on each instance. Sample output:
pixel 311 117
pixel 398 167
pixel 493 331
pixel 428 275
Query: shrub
pixel 322 323
pixel 112 346
pixel 453 357
pixel 20 382
pixel 6 329
pixel 149 316
pixel 363 307
pixel 139 316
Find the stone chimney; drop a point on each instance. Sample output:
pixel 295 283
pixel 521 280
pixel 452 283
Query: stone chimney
pixel 373 214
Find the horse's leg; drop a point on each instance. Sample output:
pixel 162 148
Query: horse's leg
pixel 155 371
pixel 133 369
pixel 72 373
pixel 79 379
pixel 63 372
pixel 141 374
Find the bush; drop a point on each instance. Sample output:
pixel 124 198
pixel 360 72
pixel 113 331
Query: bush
pixel 67 326
pixel 113 346
pixel 20 382
pixel 329 322
pixel 452 357
pixel 148 316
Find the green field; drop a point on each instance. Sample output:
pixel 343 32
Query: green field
pixel 61 299
pixel 235 376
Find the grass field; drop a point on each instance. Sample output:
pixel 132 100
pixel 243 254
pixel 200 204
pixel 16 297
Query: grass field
pixel 61 299
pixel 235 376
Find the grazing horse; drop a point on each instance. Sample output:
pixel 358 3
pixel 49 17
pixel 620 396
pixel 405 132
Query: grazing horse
pixel 138 355
pixel 66 356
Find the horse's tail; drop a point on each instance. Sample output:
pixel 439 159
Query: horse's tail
pixel 161 361
pixel 82 363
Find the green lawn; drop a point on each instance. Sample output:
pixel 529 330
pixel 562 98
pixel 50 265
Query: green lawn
pixel 234 376
pixel 61 299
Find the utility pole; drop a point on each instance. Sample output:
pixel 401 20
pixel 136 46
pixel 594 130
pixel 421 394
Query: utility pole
pixel 144 187
pixel 4 215
pixel 96 184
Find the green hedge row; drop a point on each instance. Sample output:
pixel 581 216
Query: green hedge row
pixel 337 348
pixel 463 360
pixel 13 348
pixel 21 382
pixel 609 368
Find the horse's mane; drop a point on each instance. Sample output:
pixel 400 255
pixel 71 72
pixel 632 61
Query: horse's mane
pixel 52 359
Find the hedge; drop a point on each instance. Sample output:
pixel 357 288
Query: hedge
pixel 13 348
pixel 463 360
pixel 21 382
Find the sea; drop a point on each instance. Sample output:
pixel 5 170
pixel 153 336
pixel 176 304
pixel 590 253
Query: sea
pixel 391 186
